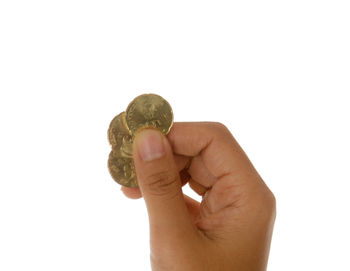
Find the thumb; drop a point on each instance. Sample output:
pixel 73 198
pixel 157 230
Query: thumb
pixel 160 185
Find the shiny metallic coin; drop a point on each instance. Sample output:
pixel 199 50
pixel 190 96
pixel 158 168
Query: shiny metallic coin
pixel 149 110
pixel 122 170
pixel 119 137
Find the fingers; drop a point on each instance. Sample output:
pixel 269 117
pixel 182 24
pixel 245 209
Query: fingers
pixel 160 185
pixel 181 164
pixel 219 151
pixel 200 173
pixel 131 192
pixel 219 166
pixel 216 158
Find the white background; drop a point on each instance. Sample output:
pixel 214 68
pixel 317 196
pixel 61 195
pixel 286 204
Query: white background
pixel 277 73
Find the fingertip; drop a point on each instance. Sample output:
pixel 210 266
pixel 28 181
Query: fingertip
pixel 131 192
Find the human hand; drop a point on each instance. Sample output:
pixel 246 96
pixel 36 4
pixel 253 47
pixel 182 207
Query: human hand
pixel 231 228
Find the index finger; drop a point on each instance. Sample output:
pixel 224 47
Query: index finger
pixel 220 152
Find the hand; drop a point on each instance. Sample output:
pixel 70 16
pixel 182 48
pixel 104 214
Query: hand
pixel 231 228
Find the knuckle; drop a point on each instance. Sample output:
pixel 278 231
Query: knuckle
pixel 161 183
pixel 271 199
pixel 220 128
pixel 268 205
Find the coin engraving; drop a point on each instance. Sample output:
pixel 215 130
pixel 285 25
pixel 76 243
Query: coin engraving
pixel 122 170
pixel 149 110
pixel 119 137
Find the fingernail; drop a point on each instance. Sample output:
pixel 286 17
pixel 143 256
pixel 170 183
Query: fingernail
pixel 150 145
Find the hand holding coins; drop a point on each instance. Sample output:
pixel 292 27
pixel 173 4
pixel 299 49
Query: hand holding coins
pixel 145 111
pixel 237 209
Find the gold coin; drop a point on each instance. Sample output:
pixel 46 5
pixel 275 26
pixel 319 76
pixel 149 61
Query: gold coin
pixel 122 170
pixel 119 137
pixel 149 110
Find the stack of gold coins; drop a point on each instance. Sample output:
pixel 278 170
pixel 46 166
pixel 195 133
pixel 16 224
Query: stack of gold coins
pixel 145 111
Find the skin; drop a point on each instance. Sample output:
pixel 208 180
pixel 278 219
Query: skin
pixel 231 228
